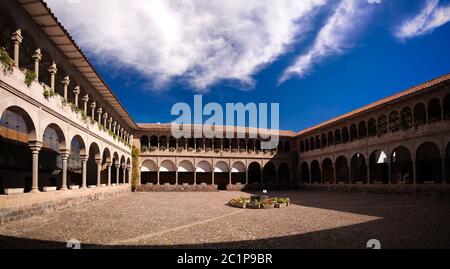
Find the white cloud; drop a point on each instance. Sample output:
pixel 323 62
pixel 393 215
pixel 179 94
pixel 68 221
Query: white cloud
pixel 332 39
pixel 429 18
pixel 202 41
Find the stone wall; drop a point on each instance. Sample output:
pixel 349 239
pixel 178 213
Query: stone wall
pixel 177 188
pixel 22 206
pixel 427 190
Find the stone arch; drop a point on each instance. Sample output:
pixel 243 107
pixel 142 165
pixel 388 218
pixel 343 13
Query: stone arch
pixel 16 119
pixel 306 145
pixel 221 175
pixel 353 132
pixel 330 138
pixel 254 173
pixel 382 125
pixel 447 163
pixel 406 118
pixel 324 140
pixel 94 157
pixel 269 173
pixel 149 172
pixel 372 127
pixel 238 173
pixel 428 163
pixel 154 141
pixel 401 166
pixel 172 142
pixel 74 168
pixel 312 143
pixel 362 130
pixel 342 170
pixel 316 174
pixel 115 169
pixel 106 162
pixel 359 169
pixel 48 136
pixel 434 110
pixel 186 172
pixel 167 172
pixel 337 137
pixel 345 135
pixel 420 115
pixel 378 168
pixel 447 107
pixel 284 174
pixel 304 173
pixel 204 172
pixel 394 122
pixel 318 142
pixel 327 171
pixel 163 143
pixel 145 143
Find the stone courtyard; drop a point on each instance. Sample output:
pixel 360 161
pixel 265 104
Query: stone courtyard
pixel 203 220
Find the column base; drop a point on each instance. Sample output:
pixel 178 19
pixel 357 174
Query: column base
pixel 64 189
pixel 35 191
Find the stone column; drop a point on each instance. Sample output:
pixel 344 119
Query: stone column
pixel 37 57
pixel 110 123
pixel 229 178
pixel 52 70
pixel 129 174
pixel 17 39
pixel 176 177
pixel 105 119
pixel 117 173
pixel 157 182
pixel 85 101
pixel 65 82
pixel 114 126
pixel 93 105
pixel 64 156
pixel 84 160
pixel 262 174
pixel 195 177
pixel 99 171
pixel 444 182
pixel 99 111
pixel 124 169
pixel 76 92
pixel 35 147
pixel 212 175
pixel 108 166
pixel 246 177
pixel 414 170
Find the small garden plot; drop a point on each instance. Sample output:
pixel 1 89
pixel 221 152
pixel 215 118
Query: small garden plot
pixel 259 202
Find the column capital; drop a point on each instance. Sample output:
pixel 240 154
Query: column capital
pixel 64 153
pixel 53 69
pixel 84 158
pixel 76 90
pixel 85 98
pixel 100 110
pixel 35 146
pixel 117 166
pixel 37 55
pixel 98 161
pixel 93 105
pixel 17 37
pixel 110 120
pixel 114 124
pixel 66 81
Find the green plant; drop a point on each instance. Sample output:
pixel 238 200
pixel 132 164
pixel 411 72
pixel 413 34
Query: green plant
pixel 48 93
pixel 135 168
pixel 6 61
pixel 144 148
pixel 30 76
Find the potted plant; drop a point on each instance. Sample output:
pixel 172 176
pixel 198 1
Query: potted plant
pixel 267 204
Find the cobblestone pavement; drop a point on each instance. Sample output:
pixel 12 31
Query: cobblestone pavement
pixel 203 220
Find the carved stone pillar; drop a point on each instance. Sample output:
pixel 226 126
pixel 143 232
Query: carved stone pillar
pixel 65 82
pixel 17 39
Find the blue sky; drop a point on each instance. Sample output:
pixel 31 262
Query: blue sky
pixel 318 59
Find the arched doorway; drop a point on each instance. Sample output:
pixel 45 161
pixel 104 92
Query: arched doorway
pixel 238 173
pixel 378 168
pixel 401 166
pixel 447 163
pixel 221 175
pixel 16 129
pixel 316 174
pixel 75 169
pixel 149 172
pixel 106 163
pixel 359 169
pixel 50 161
pixel 186 173
pixel 304 173
pixel 204 173
pixel 254 173
pixel 269 173
pixel 92 167
pixel 327 171
pixel 115 169
pixel 428 164
pixel 284 175
pixel 167 173
pixel 342 170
